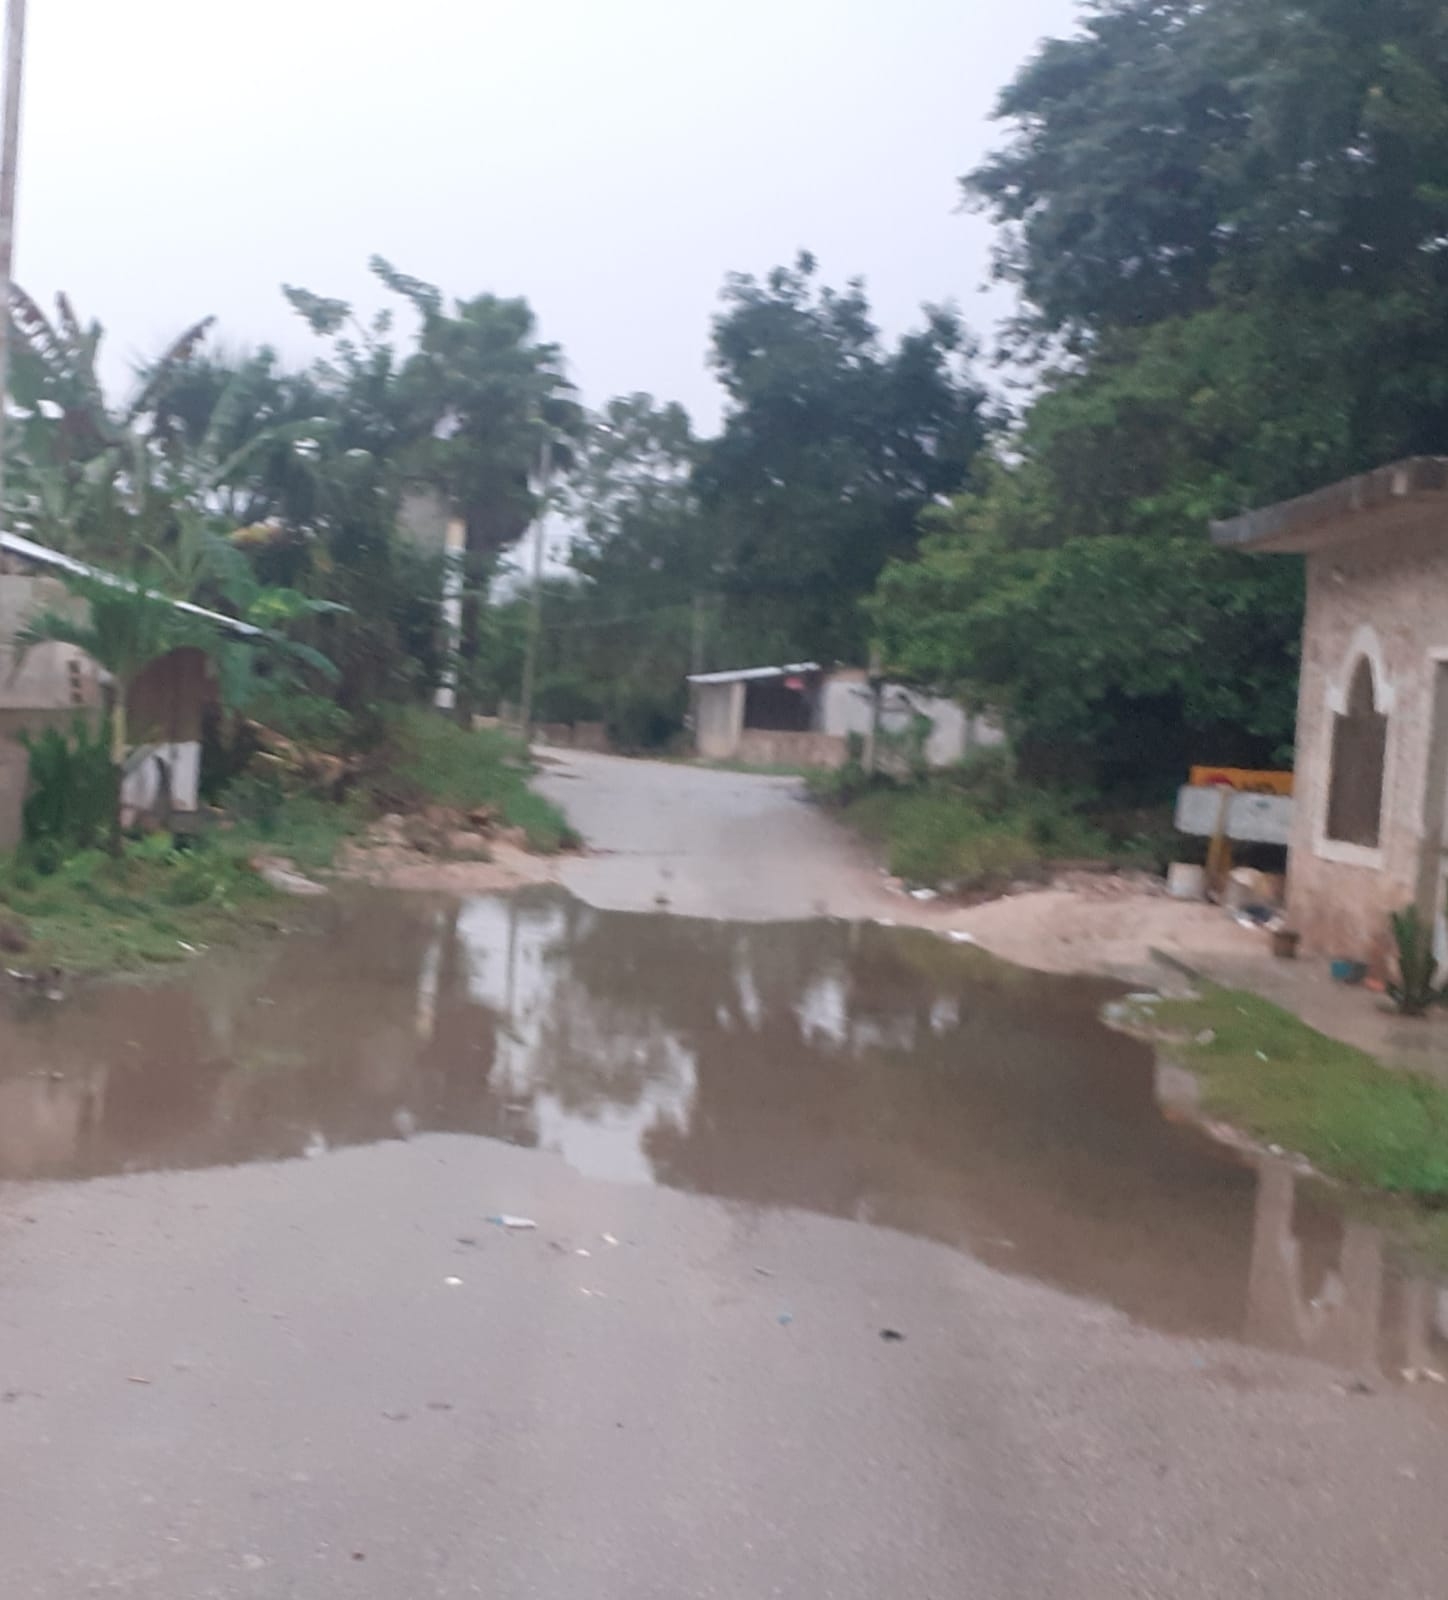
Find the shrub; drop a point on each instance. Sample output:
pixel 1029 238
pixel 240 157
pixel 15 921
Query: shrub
pixel 1417 987
pixel 74 793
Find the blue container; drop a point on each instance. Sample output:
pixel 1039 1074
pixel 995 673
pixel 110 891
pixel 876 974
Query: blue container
pixel 1349 971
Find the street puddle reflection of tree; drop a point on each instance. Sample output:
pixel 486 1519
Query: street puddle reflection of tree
pixel 868 1073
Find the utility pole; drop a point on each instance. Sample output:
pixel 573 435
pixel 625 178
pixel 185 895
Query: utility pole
pixel 872 732
pixel 696 641
pixel 9 170
pixel 455 544
pixel 535 613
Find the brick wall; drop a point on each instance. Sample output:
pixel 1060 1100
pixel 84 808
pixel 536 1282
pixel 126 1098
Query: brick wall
pixel 765 747
pixel 1385 598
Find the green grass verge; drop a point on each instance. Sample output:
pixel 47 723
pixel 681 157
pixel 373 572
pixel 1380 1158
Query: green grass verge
pixel 303 828
pixel 456 766
pixel 1269 1073
pixel 943 831
pixel 97 912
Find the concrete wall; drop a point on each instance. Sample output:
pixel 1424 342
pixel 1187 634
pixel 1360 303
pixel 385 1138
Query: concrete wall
pixel 767 747
pixel 14 773
pixel 45 690
pixel 718 720
pixel 1386 600
pixel 51 676
pixel 954 734
pixel 422 517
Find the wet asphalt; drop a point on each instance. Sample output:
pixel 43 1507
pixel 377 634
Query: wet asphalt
pixel 862 1265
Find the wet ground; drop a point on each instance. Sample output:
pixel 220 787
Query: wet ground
pixel 259 1338
pixel 878 1075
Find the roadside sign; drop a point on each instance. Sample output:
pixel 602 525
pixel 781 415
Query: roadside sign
pixel 1240 778
pixel 1249 818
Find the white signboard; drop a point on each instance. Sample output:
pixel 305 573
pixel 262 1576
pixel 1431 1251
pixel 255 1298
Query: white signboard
pixel 1251 818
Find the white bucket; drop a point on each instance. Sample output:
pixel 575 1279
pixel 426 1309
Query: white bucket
pixel 1185 881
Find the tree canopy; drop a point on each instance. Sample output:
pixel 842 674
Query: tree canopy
pixel 1228 222
pixel 833 443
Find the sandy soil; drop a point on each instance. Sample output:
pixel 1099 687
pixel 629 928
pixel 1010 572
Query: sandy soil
pixel 1111 925
pixel 390 866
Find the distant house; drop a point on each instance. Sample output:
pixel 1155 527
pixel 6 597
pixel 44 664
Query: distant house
pixel 800 715
pixel 54 682
pixel 1372 719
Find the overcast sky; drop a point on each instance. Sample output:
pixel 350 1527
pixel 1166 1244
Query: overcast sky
pixel 609 159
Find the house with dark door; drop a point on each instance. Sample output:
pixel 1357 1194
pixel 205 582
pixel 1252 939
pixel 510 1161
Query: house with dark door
pixel 1372 716
pixel 51 684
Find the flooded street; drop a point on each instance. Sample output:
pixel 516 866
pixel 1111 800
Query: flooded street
pixel 863 1264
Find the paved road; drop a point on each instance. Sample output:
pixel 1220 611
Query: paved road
pixel 331 1377
pixel 709 843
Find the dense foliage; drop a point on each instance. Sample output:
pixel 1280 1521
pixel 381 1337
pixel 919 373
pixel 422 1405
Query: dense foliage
pixel 1227 221
pixel 1229 225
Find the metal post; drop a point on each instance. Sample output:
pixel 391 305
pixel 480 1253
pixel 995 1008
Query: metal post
pixel 535 613
pixel 9 168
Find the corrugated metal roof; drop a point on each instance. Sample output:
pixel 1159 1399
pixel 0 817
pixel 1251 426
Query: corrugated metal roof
pixel 43 556
pixel 750 674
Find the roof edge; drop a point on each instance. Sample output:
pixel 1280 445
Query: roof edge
pixel 42 555
pixel 752 674
pixel 1291 524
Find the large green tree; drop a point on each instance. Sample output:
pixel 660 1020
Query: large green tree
pixel 833 443
pixel 1228 221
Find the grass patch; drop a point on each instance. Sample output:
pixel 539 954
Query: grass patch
pixel 969 827
pixel 1349 1115
pixel 99 912
pixel 303 828
pixel 452 766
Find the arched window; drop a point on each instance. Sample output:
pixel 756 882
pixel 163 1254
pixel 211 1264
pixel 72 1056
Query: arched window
pixel 1359 742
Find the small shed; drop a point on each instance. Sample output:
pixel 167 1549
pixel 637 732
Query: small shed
pixel 803 716
pixel 1372 718
pixel 55 682
pixel 764 716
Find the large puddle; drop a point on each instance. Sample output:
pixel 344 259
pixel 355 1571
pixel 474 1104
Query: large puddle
pixel 875 1074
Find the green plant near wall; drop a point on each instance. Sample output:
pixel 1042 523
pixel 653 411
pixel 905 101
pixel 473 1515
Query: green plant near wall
pixel 73 794
pixel 1417 987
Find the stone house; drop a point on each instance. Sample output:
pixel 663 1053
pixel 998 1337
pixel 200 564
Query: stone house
pixel 1372 717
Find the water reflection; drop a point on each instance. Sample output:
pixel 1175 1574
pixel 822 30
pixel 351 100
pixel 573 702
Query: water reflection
pixel 868 1073
pixel 1329 1293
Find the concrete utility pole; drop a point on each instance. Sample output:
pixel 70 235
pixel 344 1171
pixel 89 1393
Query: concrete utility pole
pixel 696 642
pixel 455 548
pixel 869 756
pixel 535 612
pixel 9 171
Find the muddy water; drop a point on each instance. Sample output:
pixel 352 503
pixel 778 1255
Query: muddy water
pixel 874 1074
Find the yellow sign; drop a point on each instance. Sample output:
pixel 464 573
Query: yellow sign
pixel 1237 778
